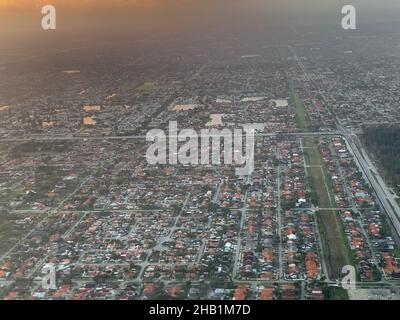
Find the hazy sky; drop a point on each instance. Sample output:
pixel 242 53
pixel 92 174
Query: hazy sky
pixel 267 4
pixel 25 15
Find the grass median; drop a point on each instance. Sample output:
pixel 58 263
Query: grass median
pixel 334 242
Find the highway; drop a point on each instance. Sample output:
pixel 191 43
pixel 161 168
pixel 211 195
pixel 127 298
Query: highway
pixel 46 137
pixel 385 198
pixel 370 173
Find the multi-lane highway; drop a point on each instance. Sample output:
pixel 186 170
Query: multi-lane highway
pixel 386 199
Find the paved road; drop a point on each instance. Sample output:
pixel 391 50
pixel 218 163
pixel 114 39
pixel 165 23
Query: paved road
pixel 143 137
pixel 48 214
pixel 356 210
pixel 236 262
pixel 324 266
pixel 371 174
pixel 279 215
pixel 386 198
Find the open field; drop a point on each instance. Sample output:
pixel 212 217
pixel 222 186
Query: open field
pixel 336 293
pixel 301 113
pixel 146 87
pixel 331 229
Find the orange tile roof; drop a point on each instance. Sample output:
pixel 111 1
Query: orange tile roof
pixel 62 291
pixel 268 256
pixel 267 294
pixel 241 292
pixel 11 295
pixel 374 229
pixel 391 265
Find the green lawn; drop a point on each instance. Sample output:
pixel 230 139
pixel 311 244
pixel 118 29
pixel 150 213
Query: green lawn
pixel 335 293
pixel 336 250
pixel 146 87
pixel 301 113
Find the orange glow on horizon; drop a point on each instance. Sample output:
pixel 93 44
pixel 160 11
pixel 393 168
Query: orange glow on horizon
pixel 82 3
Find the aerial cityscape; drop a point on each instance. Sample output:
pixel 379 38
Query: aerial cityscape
pixel 83 207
